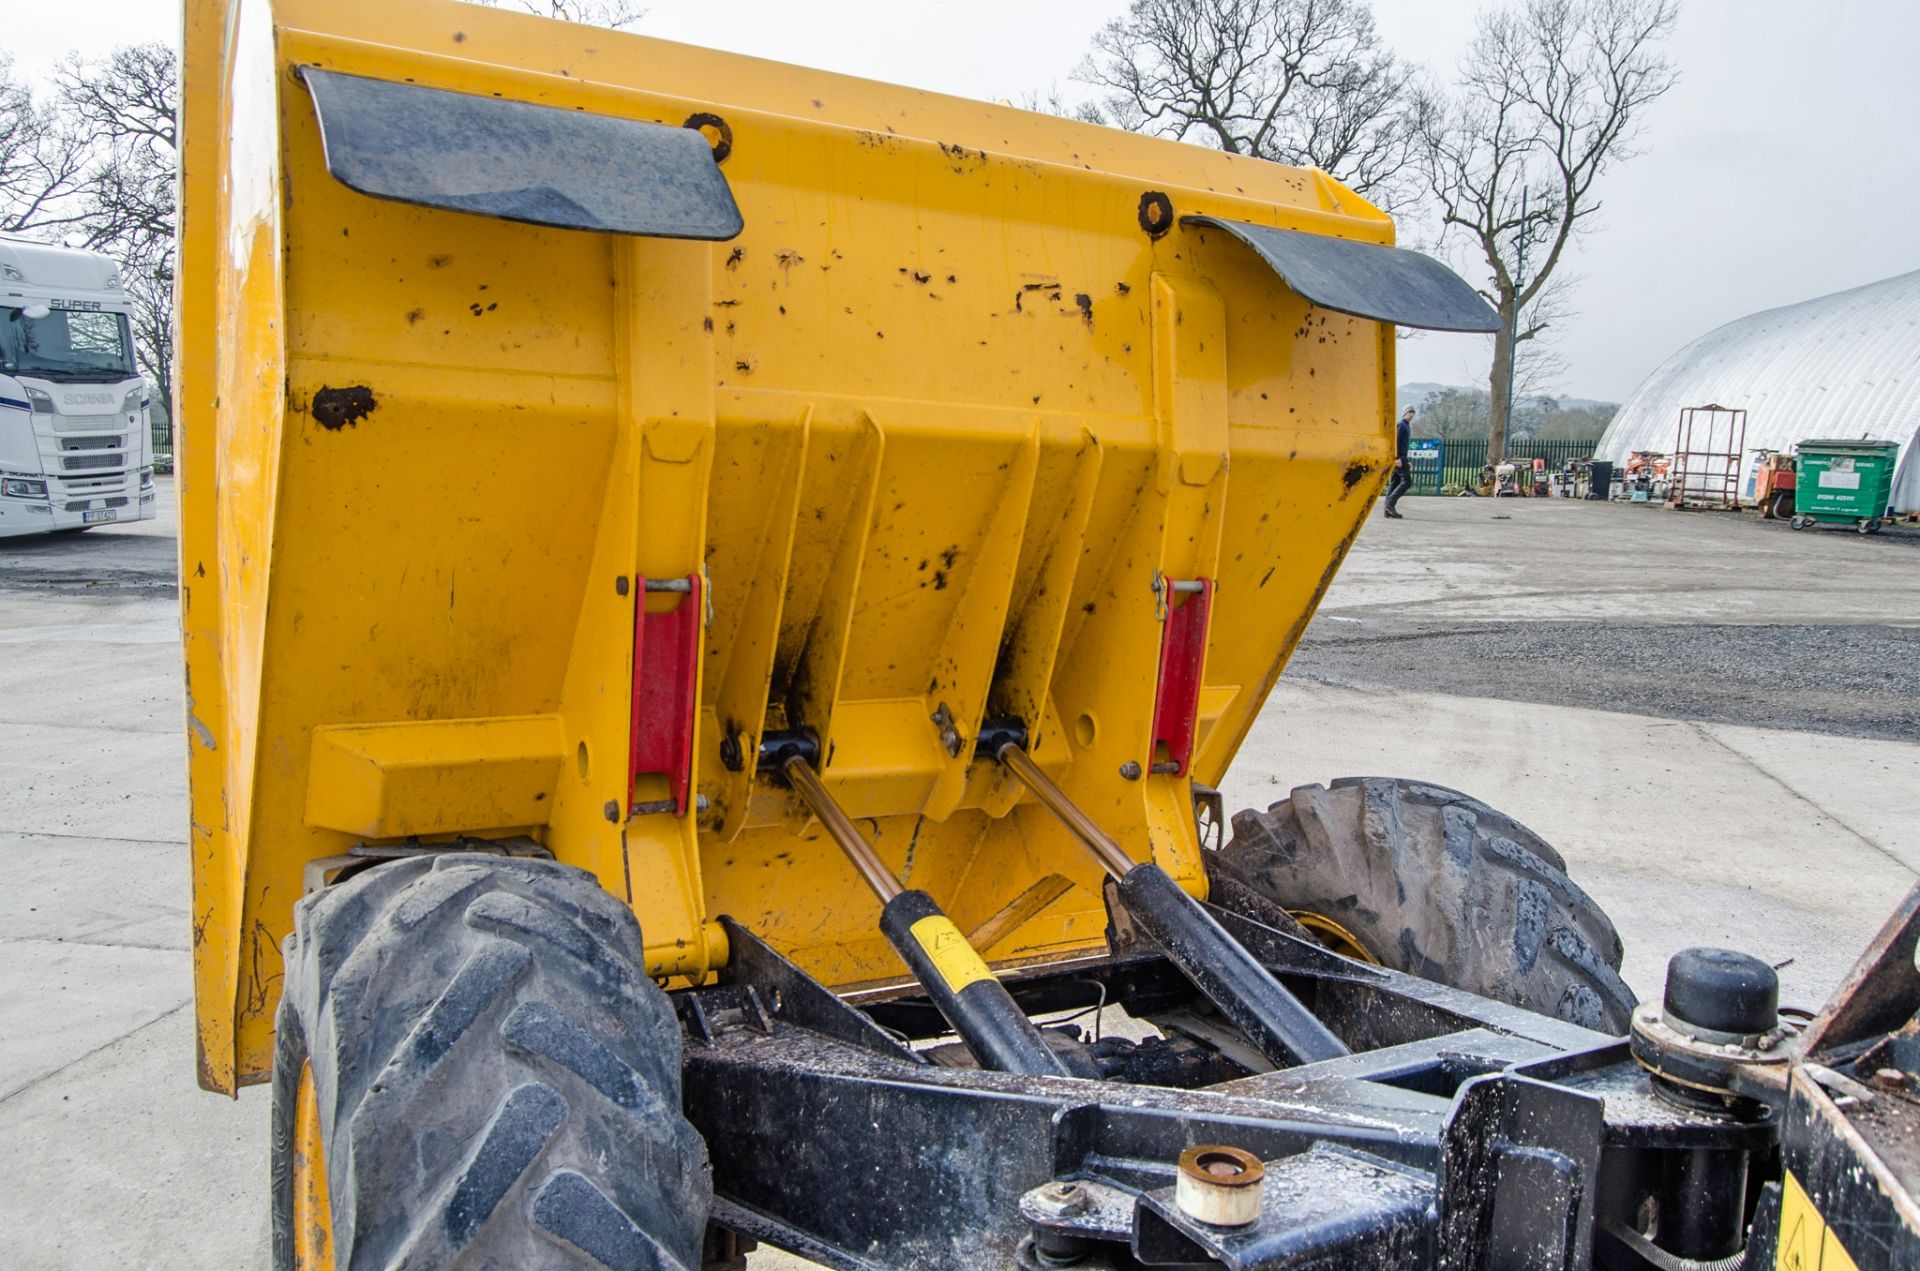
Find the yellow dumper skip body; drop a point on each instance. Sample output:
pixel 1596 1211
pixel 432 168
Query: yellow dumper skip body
pixel 924 434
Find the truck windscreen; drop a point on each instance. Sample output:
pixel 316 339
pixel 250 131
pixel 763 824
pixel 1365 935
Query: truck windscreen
pixel 66 344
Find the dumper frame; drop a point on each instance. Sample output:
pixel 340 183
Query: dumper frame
pixel 1466 1133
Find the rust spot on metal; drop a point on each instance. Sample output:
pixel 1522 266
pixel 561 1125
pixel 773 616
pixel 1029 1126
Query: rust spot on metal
pixel 1084 303
pixel 1356 473
pixel 414 315
pixel 717 131
pixel 1156 213
pixel 735 256
pixel 335 408
pixel 1019 297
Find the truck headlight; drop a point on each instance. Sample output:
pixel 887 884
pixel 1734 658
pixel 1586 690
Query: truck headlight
pixel 42 402
pixel 12 274
pixel 146 478
pixel 23 488
pixel 130 405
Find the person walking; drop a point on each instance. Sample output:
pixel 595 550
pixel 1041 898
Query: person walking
pixel 1402 470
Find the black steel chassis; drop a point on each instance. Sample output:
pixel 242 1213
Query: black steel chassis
pixel 1461 1132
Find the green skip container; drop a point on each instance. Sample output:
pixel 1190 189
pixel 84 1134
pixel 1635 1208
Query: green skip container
pixel 1843 483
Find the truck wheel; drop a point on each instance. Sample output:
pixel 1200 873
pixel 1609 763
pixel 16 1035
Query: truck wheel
pixel 472 1069
pixel 1426 880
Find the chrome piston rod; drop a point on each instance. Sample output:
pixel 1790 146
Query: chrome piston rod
pixel 982 1012
pixel 1217 964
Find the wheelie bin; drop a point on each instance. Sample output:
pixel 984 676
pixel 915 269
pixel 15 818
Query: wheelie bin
pixel 1844 483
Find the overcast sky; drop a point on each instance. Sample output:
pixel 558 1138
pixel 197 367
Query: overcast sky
pixel 1782 167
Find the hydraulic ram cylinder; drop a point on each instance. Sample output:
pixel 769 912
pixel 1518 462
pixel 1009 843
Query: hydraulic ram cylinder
pixel 1216 964
pixel 984 1015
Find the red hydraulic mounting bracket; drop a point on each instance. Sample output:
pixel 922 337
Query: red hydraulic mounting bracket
pixel 1183 606
pixel 666 666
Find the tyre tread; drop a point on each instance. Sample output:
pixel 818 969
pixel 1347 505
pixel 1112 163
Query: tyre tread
pixel 481 1028
pixel 1440 885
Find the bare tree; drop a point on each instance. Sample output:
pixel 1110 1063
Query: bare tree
pixel 1052 102
pixel 616 14
pixel 1305 82
pixel 1455 414
pixel 1550 95
pixel 124 106
pixel 42 161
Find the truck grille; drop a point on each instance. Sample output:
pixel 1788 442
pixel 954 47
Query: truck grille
pixel 89 423
pixel 92 443
pixel 76 463
pixel 108 483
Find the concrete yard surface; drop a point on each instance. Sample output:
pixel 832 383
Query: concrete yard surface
pixel 1688 824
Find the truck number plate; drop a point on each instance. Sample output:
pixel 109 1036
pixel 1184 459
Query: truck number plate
pixel 93 518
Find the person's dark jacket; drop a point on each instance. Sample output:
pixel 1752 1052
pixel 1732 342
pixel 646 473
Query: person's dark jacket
pixel 1402 433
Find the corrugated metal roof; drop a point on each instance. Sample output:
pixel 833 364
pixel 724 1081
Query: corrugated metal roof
pixel 1844 365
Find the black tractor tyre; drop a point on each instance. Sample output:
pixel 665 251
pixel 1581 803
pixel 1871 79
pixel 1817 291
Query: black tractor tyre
pixel 1439 885
pixel 497 1080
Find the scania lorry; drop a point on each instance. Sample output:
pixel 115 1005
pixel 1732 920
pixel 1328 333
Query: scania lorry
pixel 75 446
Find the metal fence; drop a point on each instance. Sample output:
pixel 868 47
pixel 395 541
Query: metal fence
pixel 1461 458
pixel 162 448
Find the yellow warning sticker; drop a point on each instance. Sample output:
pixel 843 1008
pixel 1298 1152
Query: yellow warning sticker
pixel 952 956
pixel 1806 1243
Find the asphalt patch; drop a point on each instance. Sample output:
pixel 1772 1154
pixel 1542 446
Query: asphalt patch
pixel 1844 680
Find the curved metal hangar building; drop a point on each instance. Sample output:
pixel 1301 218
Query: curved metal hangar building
pixel 1844 365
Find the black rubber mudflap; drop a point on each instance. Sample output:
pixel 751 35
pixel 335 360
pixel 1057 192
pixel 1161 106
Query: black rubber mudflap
pixel 498 1080
pixel 1441 886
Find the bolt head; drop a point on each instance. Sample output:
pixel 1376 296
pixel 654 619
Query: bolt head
pixel 1061 1200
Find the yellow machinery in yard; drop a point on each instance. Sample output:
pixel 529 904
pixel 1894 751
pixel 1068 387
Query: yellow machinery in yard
pixel 837 531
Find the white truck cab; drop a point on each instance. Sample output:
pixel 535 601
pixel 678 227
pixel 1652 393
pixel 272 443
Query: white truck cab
pixel 75 446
